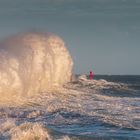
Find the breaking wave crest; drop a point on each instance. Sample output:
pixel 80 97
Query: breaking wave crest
pixel 31 63
pixel 26 131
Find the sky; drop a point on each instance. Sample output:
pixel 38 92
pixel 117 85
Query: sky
pixel 101 35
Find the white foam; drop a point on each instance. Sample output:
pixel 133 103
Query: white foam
pixel 25 131
pixel 29 131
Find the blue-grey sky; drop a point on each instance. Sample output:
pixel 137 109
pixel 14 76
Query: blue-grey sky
pixel 102 35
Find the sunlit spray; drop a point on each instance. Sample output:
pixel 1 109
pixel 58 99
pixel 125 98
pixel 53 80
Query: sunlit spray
pixel 31 63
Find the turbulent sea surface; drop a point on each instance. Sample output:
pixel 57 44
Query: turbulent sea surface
pixel 106 108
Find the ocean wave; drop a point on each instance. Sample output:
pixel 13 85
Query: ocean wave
pixel 32 63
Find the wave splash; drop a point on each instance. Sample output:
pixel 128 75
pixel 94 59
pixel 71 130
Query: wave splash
pixel 31 63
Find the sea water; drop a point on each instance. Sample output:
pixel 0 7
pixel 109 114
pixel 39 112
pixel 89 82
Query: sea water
pixel 106 108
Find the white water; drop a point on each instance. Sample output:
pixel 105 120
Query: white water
pixel 80 103
pixel 32 63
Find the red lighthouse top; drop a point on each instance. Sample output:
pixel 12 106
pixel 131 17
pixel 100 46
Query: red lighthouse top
pixel 91 75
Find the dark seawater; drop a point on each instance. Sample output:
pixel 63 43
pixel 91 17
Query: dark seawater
pixel 132 81
pixel 106 108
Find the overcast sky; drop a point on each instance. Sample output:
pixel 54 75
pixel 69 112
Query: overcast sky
pixel 102 35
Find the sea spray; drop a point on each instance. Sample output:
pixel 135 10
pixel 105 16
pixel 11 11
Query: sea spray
pixel 32 63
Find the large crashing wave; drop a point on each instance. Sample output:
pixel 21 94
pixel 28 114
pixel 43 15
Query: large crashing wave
pixel 33 62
